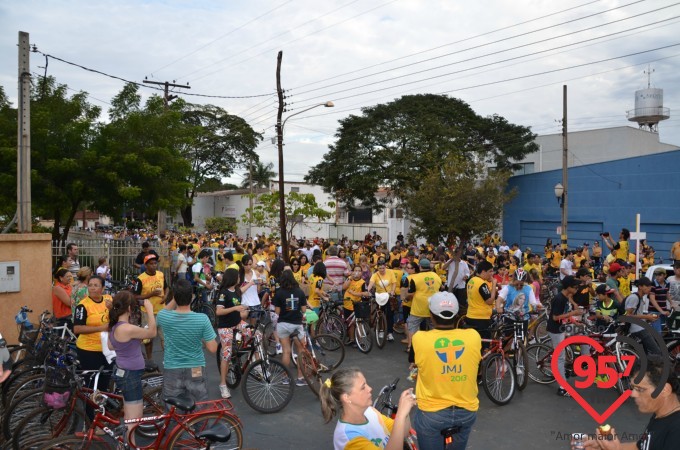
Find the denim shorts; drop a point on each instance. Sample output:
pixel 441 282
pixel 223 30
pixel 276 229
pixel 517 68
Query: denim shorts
pixel 130 384
pixel 190 382
pixel 285 329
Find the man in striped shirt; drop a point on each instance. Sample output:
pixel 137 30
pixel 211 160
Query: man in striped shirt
pixel 336 268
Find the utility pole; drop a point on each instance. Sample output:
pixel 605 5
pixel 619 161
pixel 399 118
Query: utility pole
pixel 167 98
pixel 279 135
pixel 565 162
pixel 24 224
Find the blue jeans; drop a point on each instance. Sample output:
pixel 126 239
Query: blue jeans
pixel 130 383
pixel 428 426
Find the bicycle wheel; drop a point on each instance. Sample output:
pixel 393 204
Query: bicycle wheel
pixel 331 324
pixel 540 357
pixel 310 372
pixel 461 323
pixel 74 443
pixel 362 336
pixel 268 386
pixel 17 376
pixel 18 409
pixel 44 422
pixel 26 384
pixel 520 362
pixel 623 383
pixel 209 311
pixel 380 330
pixel 329 352
pixel 541 332
pixel 185 437
pixel 153 405
pixel 498 379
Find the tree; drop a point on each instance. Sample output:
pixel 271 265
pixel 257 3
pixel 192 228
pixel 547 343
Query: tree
pixel 220 225
pixel 8 157
pixel 261 175
pixel 215 184
pixel 391 145
pixel 299 208
pixel 456 199
pixel 216 144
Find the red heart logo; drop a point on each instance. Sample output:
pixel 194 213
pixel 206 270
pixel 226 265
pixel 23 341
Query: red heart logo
pixel 584 340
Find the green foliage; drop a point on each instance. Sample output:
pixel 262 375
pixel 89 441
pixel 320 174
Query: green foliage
pixel 261 175
pixel 214 184
pixel 299 208
pixel 458 199
pixel 220 225
pixel 391 145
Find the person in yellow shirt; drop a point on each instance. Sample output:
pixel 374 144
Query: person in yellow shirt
pixel 152 285
pixel 448 362
pixel 422 286
pixel 482 293
pixel 384 282
pixel 355 290
pixel 622 247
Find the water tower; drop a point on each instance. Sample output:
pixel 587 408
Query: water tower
pixel 649 110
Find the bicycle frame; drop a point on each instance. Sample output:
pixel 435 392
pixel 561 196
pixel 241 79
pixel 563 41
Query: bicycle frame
pixel 161 422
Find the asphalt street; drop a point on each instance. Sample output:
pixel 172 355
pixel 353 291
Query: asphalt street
pixel 535 418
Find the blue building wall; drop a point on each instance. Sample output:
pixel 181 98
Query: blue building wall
pixel 602 197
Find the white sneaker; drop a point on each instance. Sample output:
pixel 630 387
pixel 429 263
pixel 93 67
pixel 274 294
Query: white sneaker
pixel 381 335
pixel 224 390
pixel 279 349
pixel 390 337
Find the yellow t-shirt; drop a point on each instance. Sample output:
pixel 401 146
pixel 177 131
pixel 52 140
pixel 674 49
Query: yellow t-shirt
pixel 383 283
pixel 220 266
pixel 315 285
pixel 354 286
pixel 448 361
pixel 622 252
pixel 299 276
pixel 624 286
pixel 238 257
pixel 95 315
pixel 151 283
pixel 577 261
pixel 478 292
pixel 427 284
pixel 556 259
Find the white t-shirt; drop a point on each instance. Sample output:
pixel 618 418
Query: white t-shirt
pixel 250 297
pixel 375 431
pixel 640 308
pixel 182 263
pixel 569 266
pixel 463 272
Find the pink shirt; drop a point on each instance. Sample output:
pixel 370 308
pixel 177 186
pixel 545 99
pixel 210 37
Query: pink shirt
pixel 336 269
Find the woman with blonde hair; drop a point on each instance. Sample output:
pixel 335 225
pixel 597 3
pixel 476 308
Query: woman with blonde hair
pixel 79 291
pixel 347 395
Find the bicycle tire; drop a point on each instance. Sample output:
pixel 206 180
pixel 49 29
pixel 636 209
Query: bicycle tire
pixel 234 374
pixel 185 438
pixel 310 372
pixel 75 443
pixel 329 352
pixel 540 357
pixel 33 382
pixel 332 324
pixel 264 387
pixel 541 331
pixel 44 422
pixel 153 405
pixel 380 331
pixel 14 383
pixel 362 336
pixel 16 411
pixel 209 311
pixel 674 350
pixel 498 379
pixel 461 323
pixel 521 364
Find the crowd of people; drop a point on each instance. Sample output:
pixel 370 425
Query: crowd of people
pixel 430 286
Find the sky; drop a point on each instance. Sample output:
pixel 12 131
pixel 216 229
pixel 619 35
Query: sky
pixel 503 57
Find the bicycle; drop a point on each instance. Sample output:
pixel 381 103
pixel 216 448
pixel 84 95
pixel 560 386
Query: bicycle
pixel 510 330
pixel 331 322
pixel 320 354
pixel 207 307
pixel 378 319
pixel 46 422
pixel 267 387
pixel 384 404
pixel 498 381
pixel 200 426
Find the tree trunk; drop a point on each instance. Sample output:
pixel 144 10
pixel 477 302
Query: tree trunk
pixel 56 235
pixel 187 216
pixel 69 220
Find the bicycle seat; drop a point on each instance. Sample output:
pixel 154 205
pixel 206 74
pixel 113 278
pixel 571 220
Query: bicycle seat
pixel 217 433
pixel 294 334
pixel 450 431
pixel 182 402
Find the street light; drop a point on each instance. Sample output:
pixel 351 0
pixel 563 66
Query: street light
pixel 559 193
pixel 282 202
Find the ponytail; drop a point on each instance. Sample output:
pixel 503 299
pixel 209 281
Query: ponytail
pixel 123 302
pixel 341 382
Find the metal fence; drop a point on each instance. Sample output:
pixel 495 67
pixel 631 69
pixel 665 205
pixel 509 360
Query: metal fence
pixel 120 254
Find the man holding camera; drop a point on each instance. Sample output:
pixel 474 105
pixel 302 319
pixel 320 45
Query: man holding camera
pixel 152 285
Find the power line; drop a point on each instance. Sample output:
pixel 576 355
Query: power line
pixel 495 53
pixel 221 37
pixel 486 44
pixel 200 69
pixel 35 50
pixel 445 45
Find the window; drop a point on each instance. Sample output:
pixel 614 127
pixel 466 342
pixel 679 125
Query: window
pixel 295 189
pixel 526 169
